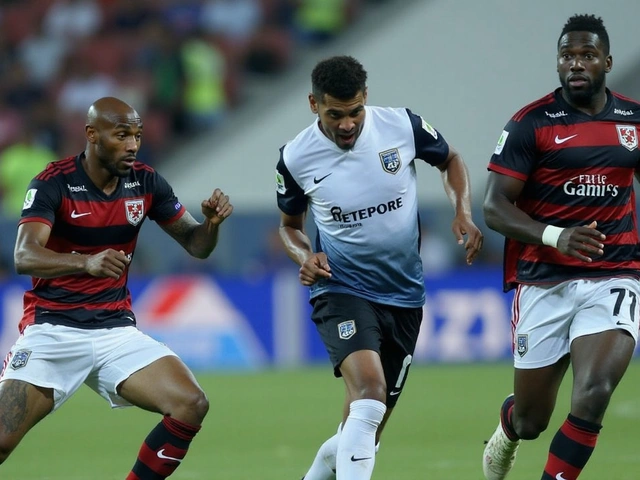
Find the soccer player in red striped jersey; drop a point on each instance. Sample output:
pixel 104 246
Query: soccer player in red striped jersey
pixel 560 190
pixel 76 238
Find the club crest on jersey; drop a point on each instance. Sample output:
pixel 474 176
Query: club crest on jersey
pixel 347 329
pixel 390 160
pixel 20 359
pixel 628 136
pixel 522 345
pixel 134 210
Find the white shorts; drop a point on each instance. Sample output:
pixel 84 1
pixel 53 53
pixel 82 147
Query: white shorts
pixel 63 358
pixel 546 319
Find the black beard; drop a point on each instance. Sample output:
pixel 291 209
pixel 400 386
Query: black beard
pixel 583 97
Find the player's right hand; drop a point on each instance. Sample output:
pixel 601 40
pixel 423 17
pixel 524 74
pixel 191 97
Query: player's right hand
pixel 316 267
pixel 109 263
pixel 582 243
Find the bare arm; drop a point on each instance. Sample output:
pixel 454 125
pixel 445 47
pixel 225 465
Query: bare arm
pixel 200 239
pixel 313 266
pixel 502 215
pixel 32 258
pixel 455 178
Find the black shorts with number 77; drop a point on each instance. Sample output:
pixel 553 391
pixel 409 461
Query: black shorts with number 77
pixel 347 324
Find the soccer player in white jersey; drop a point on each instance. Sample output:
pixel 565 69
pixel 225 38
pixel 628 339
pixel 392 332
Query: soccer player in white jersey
pixel 353 167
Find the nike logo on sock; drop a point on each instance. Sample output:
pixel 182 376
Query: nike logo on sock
pixel 165 457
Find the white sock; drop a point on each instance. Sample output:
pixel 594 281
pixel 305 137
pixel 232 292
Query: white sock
pixel 324 465
pixel 357 444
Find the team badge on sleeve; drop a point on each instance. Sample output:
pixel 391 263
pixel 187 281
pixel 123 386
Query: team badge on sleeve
pixel 523 345
pixel 29 198
pixel 20 359
pixel 501 141
pixel 628 136
pixel 428 128
pixel 347 329
pixel 134 210
pixel 390 160
pixel 280 188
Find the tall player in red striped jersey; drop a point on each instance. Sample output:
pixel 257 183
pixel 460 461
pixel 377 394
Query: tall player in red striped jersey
pixel 76 238
pixel 560 190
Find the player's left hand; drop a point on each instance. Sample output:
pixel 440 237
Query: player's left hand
pixel 465 226
pixel 217 207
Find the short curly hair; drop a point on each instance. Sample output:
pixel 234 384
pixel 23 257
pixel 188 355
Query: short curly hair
pixel 587 23
pixel 341 77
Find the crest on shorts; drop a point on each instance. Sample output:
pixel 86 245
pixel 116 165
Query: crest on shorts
pixel 134 210
pixel 628 136
pixel 20 359
pixel 347 329
pixel 390 160
pixel 522 345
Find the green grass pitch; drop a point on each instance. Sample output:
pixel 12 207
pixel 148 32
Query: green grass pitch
pixel 267 426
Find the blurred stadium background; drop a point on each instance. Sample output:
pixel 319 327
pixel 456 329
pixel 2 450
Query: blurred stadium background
pixel 221 85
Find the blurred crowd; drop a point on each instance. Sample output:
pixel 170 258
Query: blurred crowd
pixel 181 63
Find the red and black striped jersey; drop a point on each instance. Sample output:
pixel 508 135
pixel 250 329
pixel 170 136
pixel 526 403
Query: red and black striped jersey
pixel 85 220
pixel 577 168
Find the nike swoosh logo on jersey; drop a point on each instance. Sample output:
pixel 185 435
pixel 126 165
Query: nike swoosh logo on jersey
pixel 318 180
pixel 354 459
pixel 165 457
pixel 394 392
pixel 560 477
pixel 562 140
pixel 78 215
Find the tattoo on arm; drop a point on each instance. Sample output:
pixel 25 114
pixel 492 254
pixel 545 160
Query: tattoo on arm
pixel 13 398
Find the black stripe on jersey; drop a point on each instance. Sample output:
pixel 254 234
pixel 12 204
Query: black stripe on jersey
pixel 85 319
pixel 64 296
pixel 95 236
pixel 540 272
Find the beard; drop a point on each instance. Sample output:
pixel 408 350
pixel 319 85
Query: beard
pixel 583 96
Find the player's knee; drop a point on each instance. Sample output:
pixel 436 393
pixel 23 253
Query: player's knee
pixel 590 403
pixel 373 391
pixel 6 447
pixel 192 407
pixel 529 428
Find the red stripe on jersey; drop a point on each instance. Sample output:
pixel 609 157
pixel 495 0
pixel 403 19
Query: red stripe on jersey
pixel 549 98
pixel 545 210
pixel 35 219
pixel 534 253
pixel 506 171
pixel 586 134
pixel 99 213
pixel 84 284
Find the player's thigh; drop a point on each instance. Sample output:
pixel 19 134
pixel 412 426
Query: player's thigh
pixel 536 391
pixel 22 405
pixel 51 357
pixel 165 386
pixel 347 324
pixel 133 368
pixel 401 328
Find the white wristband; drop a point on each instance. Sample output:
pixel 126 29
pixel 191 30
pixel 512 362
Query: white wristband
pixel 551 235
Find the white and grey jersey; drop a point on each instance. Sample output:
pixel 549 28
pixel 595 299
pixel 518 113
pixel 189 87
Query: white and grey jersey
pixel 364 203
